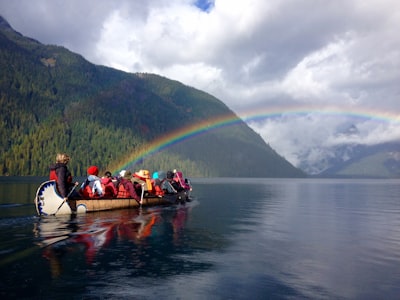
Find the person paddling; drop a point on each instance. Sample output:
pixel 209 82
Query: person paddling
pixel 60 173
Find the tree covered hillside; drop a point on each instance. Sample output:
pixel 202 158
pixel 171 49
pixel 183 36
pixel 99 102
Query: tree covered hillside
pixel 54 100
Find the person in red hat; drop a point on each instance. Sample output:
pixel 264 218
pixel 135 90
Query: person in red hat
pixel 93 170
pixel 92 188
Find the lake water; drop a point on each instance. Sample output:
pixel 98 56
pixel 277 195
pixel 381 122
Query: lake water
pixel 239 239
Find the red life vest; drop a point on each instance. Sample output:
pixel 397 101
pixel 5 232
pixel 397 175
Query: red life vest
pixel 156 188
pixel 87 192
pixel 109 188
pixel 108 191
pixel 53 176
pixel 122 192
pixel 158 191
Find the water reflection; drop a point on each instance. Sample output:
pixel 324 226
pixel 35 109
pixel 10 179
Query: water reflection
pixel 248 239
pixel 98 234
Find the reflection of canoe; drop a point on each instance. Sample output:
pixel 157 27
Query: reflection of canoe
pixel 64 237
pixel 49 202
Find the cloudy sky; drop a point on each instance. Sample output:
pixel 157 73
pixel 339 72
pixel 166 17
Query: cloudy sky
pixel 299 71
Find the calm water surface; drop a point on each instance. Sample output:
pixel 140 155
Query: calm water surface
pixel 239 239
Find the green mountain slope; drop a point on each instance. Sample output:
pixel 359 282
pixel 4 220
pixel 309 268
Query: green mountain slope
pixel 54 100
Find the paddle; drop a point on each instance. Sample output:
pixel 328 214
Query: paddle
pixel 65 199
pixel 141 197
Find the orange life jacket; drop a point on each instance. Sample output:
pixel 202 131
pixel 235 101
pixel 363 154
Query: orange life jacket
pixel 87 192
pixel 144 175
pixel 122 192
pixel 156 188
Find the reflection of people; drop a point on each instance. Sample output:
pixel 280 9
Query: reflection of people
pixel 178 222
pixel 53 241
pixel 60 173
pixel 145 228
pixel 91 233
pixel 54 255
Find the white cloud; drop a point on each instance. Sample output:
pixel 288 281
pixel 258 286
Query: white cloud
pixel 311 136
pixel 250 54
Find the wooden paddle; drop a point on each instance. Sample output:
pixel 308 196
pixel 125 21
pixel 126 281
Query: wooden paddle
pixel 65 199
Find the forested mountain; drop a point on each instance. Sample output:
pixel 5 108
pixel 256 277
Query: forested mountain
pixel 54 100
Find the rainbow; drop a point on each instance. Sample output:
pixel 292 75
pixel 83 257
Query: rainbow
pixel 360 113
pixel 207 125
pixel 177 136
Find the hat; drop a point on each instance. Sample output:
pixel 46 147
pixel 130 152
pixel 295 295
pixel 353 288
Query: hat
pixel 170 175
pixel 142 174
pixel 127 175
pixel 122 173
pixel 93 170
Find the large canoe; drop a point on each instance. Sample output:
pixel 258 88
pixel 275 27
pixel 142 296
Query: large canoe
pixel 49 202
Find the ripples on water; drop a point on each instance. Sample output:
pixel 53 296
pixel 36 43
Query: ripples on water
pixel 240 239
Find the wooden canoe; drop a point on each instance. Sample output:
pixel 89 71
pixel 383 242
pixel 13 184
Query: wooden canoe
pixel 49 202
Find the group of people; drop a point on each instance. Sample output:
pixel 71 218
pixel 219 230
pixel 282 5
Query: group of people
pixel 125 185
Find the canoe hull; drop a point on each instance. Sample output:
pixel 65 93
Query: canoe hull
pixel 49 202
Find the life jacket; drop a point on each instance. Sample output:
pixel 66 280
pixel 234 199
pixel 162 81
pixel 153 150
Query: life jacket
pixel 159 191
pixel 181 182
pixel 87 191
pixel 156 187
pixel 144 176
pixel 109 188
pixel 53 175
pixel 122 192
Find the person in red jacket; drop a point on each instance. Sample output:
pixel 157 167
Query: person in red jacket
pixel 126 188
pixel 60 173
pixel 110 190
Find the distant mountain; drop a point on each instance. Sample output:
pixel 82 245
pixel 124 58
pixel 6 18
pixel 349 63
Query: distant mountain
pixel 352 159
pixel 378 161
pixel 54 100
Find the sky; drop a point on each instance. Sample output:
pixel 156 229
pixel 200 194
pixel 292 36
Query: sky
pixel 299 72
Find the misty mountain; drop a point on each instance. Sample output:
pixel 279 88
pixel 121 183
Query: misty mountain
pixel 354 160
pixel 377 161
pixel 54 100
